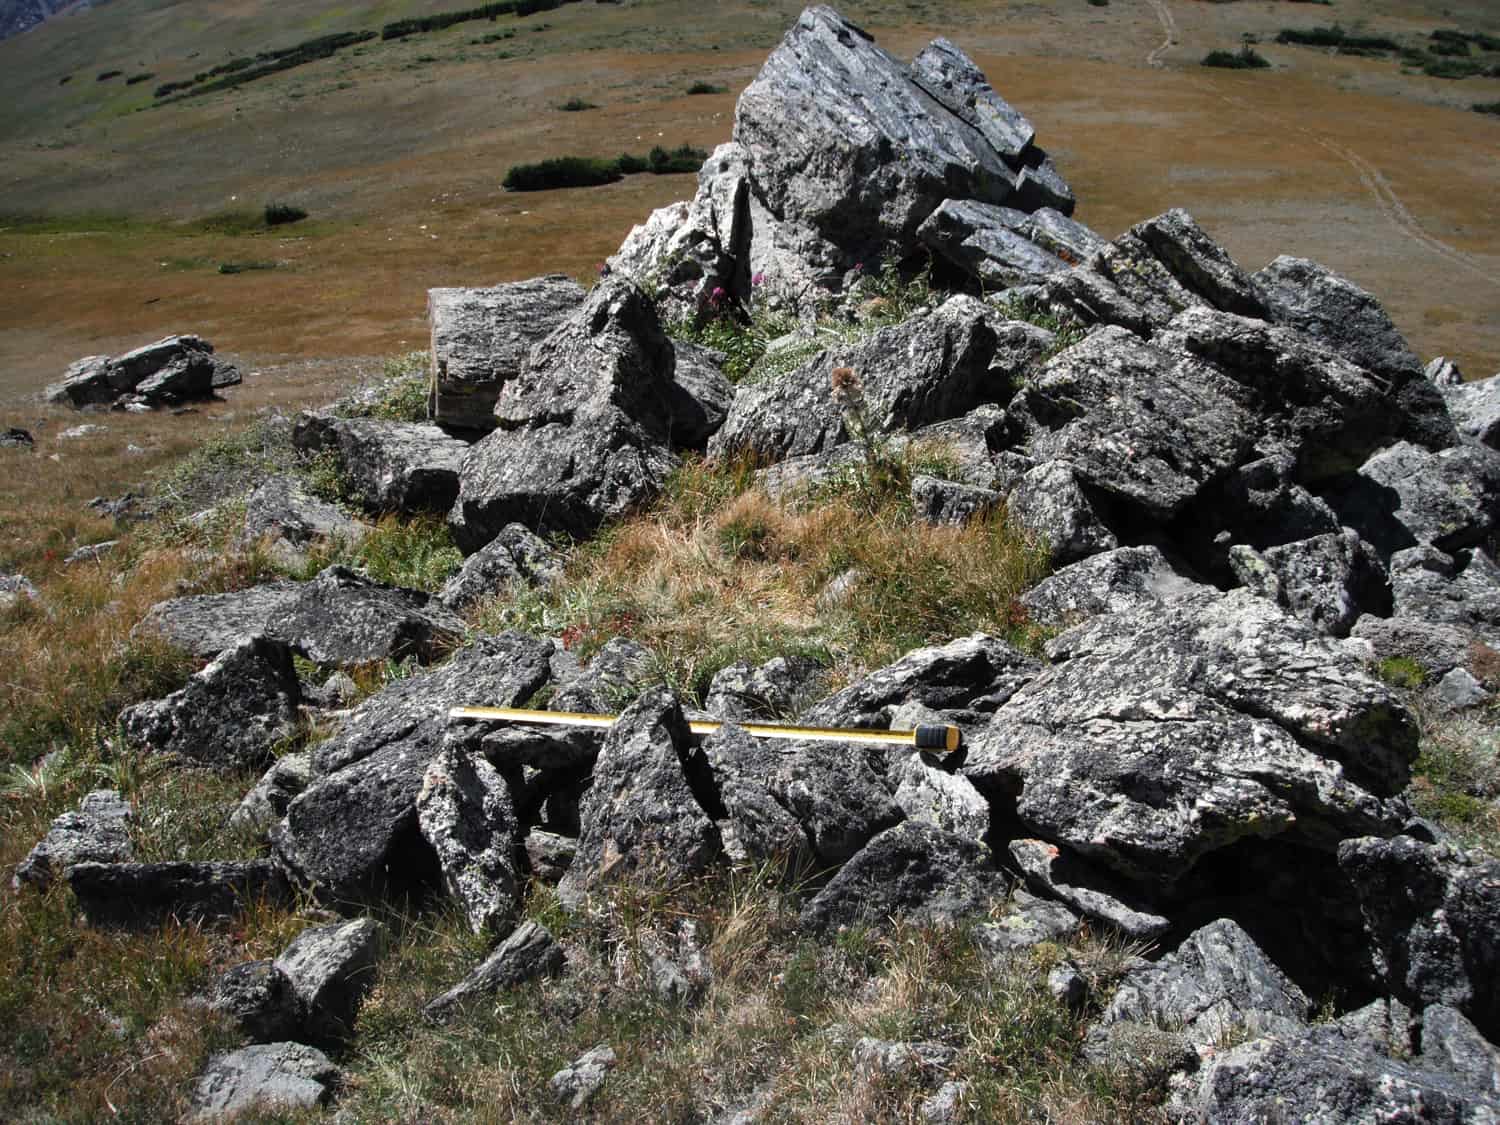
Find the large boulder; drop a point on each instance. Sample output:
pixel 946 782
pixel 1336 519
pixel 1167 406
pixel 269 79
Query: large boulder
pixel 1461 590
pixel 98 831
pixel 328 970
pixel 388 466
pixel 205 625
pixel 985 241
pixel 355 830
pixel 928 369
pixel 144 895
pixel 584 429
pixel 640 817
pixel 1163 734
pixel 230 715
pixel 469 820
pixel 1327 581
pixel 1405 496
pixel 172 370
pixel 265 1078
pixel 481 337
pixel 286 518
pixel 1433 915
pixel 1123 579
pixel 343 618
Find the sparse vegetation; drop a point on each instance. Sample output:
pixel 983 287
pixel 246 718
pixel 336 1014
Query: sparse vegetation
pixel 701 87
pixel 1402 672
pixel 1457 777
pixel 1246 58
pixel 584 171
pixel 237 72
pixel 1335 36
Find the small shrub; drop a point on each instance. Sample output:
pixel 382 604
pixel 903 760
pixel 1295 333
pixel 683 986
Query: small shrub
pixel 1450 48
pixel 1458 69
pixel 1402 672
pixel 244 267
pixel 278 214
pixel 701 87
pixel 137 78
pixel 561 172
pixel 1246 58
pixel 576 105
pixel 108 74
pixel 1099 3
pixel 1487 107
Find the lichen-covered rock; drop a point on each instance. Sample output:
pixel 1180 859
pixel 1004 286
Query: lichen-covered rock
pixel 1111 582
pixel 1406 496
pixel 640 815
pixel 902 1060
pixel 701 395
pixel 269 1077
pixel 143 895
pixel 778 689
pixel 390 466
pixel 1166 733
pixel 354 830
pixel 945 800
pixel 467 816
pixel 617 672
pixel 481 337
pixel 1029 921
pixel 230 715
pixel 206 624
pixel 925 370
pixel 98 831
pixel 1051 505
pixel 1437 647
pixel 951 502
pixel 986 242
pixel 1326 581
pixel 528 952
pixel 172 370
pixel 284 516
pixel 1433 915
pixel 577 1083
pixel 913 870
pixel 1475 409
pixel 1096 894
pixel 1462 590
pixel 515 557
pixel 328 970
pixel 266 803
pixel 343 618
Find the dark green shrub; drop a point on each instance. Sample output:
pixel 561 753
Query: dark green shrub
pixel 278 214
pixel 561 172
pixel 1099 3
pixel 1487 107
pixel 707 88
pixel 1335 36
pixel 1450 48
pixel 245 267
pixel 108 74
pixel 1458 68
pixel 576 105
pixel 629 165
pixel 1244 59
pixel 134 78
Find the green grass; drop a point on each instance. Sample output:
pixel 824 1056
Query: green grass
pixel 1402 672
pixel 1456 778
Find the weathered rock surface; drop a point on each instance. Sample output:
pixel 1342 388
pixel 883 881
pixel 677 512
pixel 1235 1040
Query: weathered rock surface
pixel 915 870
pixel 1438 648
pixel 284 516
pixel 584 428
pixel 354 830
pixel 269 1077
pixel 514 557
pixel 640 815
pixel 14 587
pixel 1113 582
pixel 1433 914
pixel 777 689
pixel 1475 409
pixel 926 370
pixel 328 970
pixel 1051 504
pixel 1029 921
pixel 467 817
pixel 1326 581
pixel 390 466
pixel 146 894
pixel 172 370
pixel 985 242
pixel 700 395
pixel 1166 733
pixel 577 1083
pixel 343 618
pixel 1462 591
pixel 230 715
pixel 266 803
pixel 1095 894
pixel 98 831
pixel 941 799
pixel 617 673
pixel 529 952
pixel 1406 496
pixel 481 337
pixel 14 437
pixel 921 1060
pixel 950 502
pixel 257 998
pixel 207 624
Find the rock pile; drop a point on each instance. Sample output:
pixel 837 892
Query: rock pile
pixel 1252 492
pixel 173 370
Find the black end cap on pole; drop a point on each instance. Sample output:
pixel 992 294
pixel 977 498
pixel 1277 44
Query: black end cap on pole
pixel 935 736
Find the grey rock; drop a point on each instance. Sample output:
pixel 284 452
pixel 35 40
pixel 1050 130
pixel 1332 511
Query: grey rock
pixel 230 715
pixel 614 677
pixel 1165 733
pixel 986 245
pixel 354 830
pixel 527 953
pixel 1443 372
pixel 1068 987
pixel 1452 1043
pixel 977 673
pixel 481 337
pixel 1462 591
pixel 206 624
pixel 1112 582
pixel 1143 1054
pixel 97 832
pixel 390 466
pixel 14 587
pixel 1436 647
pixel 329 970
pixel 1083 887
pixel 1123 284
pixel 1458 690
pixel 257 998
pixel 467 817
pixel 914 870
pixel 1029 921
pixel 778 689
pixel 701 395
pixel 91 552
pixel 754 781
pixel 343 618
pixel 549 854
pixel 268 1077
pixel 1406 496
pixel 948 75
pixel 84 383
pixel 172 370
pixel 901 1060
pixel 1136 423
pixel 1433 915
pixel 515 557
pixel 1326 581
pixel 1475 408
pixel 1216 984
pixel 945 1106
pixel 1261 504
pixel 1340 315
pixel 928 369
pixel 507 747
pixel 640 816
pixel 577 1083
pixel 584 428
pixel 143 895
pixel 283 515
pixel 1049 503
pixel 1200 263
pixel 13 437
pixel 944 800
pixel 267 802
pixel 950 502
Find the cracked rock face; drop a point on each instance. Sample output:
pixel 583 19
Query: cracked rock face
pixel 467 816
pixel 98 831
pixel 1161 735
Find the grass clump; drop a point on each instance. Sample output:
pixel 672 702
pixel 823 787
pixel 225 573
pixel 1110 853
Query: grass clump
pixel 399 396
pixel 1402 672
pixel 701 87
pixel 278 214
pixel 1246 58
pixel 576 105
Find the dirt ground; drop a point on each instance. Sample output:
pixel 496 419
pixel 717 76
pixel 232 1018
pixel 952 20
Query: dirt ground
pixel 1385 177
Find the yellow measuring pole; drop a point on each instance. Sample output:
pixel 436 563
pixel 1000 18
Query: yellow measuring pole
pixel 933 737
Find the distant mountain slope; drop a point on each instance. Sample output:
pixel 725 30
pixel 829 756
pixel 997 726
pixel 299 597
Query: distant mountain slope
pixel 17 16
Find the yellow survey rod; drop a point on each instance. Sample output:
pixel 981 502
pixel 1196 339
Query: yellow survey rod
pixel 933 737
